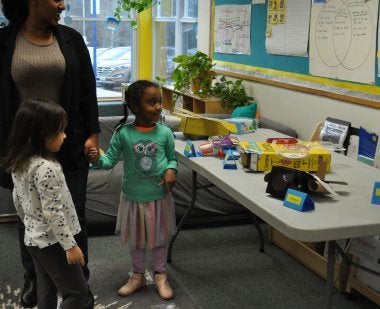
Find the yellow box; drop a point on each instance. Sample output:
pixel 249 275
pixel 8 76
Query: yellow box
pixel 196 124
pixel 261 156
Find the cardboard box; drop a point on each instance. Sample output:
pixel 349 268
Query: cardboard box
pixel 196 124
pixel 367 249
pixel 261 156
pixel 243 125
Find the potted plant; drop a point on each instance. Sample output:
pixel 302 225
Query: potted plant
pixel 130 5
pixel 232 94
pixel 193 72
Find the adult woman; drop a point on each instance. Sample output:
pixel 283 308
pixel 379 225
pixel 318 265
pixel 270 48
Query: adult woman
pixel 44 60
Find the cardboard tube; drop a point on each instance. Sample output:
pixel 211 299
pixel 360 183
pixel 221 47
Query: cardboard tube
pixel 315 186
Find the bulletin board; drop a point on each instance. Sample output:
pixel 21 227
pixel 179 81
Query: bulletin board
pixel 290 72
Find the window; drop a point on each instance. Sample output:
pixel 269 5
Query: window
pixel 175 33
pixel 110 42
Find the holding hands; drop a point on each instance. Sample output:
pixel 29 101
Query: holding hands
pixel 93 154
pixel 91 148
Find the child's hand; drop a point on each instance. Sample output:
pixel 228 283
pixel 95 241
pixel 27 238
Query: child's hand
pixel 75 256
pixel 92 155
pixel 169 179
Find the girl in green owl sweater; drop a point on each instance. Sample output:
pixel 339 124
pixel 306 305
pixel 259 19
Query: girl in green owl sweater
pixel 146 216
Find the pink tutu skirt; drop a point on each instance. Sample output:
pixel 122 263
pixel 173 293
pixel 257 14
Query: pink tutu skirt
pixel 146 224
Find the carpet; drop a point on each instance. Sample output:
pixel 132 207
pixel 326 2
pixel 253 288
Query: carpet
pixel 110 266
pixel 212 268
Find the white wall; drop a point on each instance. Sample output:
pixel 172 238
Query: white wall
pixel 204 26
pixel 302 111
pixel 299 110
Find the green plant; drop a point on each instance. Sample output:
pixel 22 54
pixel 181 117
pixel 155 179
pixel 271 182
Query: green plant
pixel 232 94
pixel 193 72
pixel 161 81
pixel 130 5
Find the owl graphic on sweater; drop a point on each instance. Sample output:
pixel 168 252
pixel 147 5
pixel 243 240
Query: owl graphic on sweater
pixel 145 161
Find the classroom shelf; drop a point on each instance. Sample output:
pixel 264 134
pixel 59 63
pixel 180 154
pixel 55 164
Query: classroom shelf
pixel 354 283
pixel 344 275
pixel 305 254
pixel 192 102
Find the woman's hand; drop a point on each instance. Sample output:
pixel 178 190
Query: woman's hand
pixel 93 155
pixel 91 143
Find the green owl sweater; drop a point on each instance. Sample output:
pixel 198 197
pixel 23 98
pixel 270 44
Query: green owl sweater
pixel 147 155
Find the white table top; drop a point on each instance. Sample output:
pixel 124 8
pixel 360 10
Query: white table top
pixel 348 215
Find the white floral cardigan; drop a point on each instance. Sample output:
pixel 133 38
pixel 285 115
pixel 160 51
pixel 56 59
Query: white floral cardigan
pixel 43 202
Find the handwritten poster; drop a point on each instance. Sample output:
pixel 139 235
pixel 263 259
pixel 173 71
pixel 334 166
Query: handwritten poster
pixel 288 27
pixel 232 32
pixel 343 39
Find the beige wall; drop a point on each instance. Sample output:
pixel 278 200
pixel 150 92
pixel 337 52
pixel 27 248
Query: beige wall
pixel 300 110
pixel 204 13
pixel 303 111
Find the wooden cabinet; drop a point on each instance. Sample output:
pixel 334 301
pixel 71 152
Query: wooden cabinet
pixel 309 257
pixel 344 275
pixel 192 102
pixel 355 284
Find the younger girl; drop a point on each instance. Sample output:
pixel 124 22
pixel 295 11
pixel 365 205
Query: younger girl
pixel 146 216
pixel 44 204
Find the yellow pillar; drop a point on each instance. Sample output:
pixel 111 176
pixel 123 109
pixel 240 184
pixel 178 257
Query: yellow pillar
pixel 144 45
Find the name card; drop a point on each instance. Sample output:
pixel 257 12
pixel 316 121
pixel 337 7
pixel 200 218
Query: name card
pixel 189 150
pixel 376 193
pixel 229 162
pixel 298 200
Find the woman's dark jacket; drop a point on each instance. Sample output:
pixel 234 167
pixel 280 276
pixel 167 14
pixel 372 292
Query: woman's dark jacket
pixel 78 96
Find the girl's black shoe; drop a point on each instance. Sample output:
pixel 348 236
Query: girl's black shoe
pixel 28 297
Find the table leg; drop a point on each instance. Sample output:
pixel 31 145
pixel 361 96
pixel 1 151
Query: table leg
pixel 185 215
pixel 258 228
pixel 194 189
pixel 330 272
pixel 4 218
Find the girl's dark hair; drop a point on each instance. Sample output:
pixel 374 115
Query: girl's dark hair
pixel 133 96
pixel 34 123
pixel 16 11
